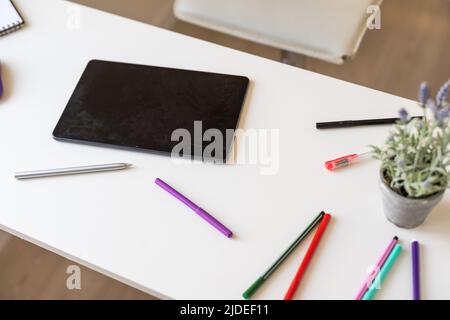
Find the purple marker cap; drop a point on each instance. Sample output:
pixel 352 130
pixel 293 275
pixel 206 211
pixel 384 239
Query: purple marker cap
pixel 202 213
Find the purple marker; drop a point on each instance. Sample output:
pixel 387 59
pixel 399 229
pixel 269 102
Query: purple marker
pixel 1 83
pixel 202 213
pixel 415 269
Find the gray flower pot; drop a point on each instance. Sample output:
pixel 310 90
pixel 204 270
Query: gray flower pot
pixel 406 212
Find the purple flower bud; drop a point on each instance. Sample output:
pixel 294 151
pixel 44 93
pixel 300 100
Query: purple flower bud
pixel 424 93
pixel 426 184
pixel 400 163
pixel 403 114
pixel 443 113
pixel 442 94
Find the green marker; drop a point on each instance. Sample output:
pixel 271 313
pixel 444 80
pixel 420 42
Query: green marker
pixel 370 294
pixel 251 290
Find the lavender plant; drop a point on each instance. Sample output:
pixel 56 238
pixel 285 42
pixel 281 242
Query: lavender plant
pixel 416 157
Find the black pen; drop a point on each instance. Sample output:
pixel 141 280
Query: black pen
pixel 357 123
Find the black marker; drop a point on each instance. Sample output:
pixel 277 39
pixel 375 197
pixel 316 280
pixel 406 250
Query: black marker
pixel 357 123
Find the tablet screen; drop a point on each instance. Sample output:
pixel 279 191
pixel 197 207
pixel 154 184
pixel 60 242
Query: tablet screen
pixel 140 107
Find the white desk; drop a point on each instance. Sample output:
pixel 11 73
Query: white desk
pixel 123 225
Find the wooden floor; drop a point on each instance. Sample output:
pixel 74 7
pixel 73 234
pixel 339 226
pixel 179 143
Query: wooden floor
pixel 412 45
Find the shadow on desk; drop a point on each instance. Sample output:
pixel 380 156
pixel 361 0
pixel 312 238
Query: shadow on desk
pixel 439 220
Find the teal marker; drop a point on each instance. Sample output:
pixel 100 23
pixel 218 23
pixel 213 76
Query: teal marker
pixel 370 294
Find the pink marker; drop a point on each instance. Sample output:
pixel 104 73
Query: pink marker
pixel 377 268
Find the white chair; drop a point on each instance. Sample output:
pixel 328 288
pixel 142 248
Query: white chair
pixel 329 30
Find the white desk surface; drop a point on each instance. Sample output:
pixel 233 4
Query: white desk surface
pixel 123 225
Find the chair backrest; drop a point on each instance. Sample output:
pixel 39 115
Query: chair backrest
pixel 326 29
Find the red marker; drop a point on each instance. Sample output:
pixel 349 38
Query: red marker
pixel 343 161
pixel 312 247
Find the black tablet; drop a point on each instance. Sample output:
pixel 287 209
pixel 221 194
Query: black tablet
pixel 153 109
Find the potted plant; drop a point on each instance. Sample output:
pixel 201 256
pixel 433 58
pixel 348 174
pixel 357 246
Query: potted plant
pixel 415 161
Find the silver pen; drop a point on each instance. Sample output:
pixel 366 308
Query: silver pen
pixel 73 170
